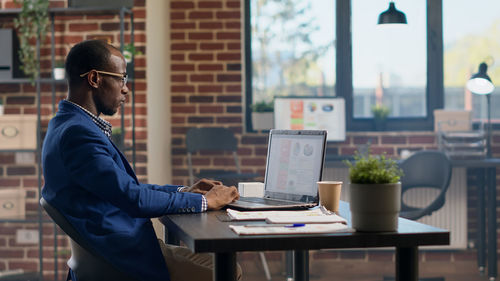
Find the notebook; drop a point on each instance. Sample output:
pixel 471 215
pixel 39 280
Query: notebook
pixel 294 164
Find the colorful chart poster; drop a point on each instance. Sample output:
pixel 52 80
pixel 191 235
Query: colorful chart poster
pixel 304 113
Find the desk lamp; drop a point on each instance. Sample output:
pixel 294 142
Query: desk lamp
pixel 480 84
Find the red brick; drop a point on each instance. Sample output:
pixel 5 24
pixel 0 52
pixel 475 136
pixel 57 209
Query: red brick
pixel 201 57
pixel 381 150
pixel 79 27
pixel 200 36
pixel 20 100
pixel 233 46
pixel 178 99
pixel 177 35
pixel 209 4
pixel 211 109
pixel 112 26
pixel 7 158
pixel 200 15
pixel 26 265
pixel 233 4
pixel 228 15
pixel 182 89
pixel 233 25
pixel 181 5
pixel 183 25
pixel 177 57
pixel 229 98
pixel 178 120
pixel 177 15
pixel 200 119
pixel 201 99
pixel 210 25
pixel 178 78
pixel 248 139
pixel 229 56
pixel 183 109
pixel 11 253
pixel 10 182
pixel 253 161
pixel 183 46
pixel 393 140
pixel 228 78
pixel 364 140
pixel 229 119
pixel 228 35
pixel 210 67
pixel 201 78
pixel 182 67
pixel 211 46
pixel 210 89
pixel 233 88
pixel 21 170
pixel 421 139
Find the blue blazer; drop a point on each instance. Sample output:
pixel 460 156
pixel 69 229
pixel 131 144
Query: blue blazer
pixel 91 183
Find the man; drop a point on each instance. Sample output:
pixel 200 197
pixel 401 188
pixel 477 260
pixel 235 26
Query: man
pixel 91 183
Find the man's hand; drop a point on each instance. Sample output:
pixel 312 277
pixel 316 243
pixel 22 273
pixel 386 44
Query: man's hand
pixel 220 195
pixel 202 186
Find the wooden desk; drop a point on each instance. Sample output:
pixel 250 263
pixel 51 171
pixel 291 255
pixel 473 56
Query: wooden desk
pixel 205 232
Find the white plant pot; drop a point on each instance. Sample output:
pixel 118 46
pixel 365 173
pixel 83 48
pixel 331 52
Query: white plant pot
pixel 375 207
pixel 262 120
pixel 59 73
pixel 1 109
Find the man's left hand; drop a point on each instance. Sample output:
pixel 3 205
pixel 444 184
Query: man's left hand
pixel 202 186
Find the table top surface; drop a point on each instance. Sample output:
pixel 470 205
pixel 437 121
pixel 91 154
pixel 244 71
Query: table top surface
pixel 206 232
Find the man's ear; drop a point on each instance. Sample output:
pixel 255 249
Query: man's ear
pixel 94 79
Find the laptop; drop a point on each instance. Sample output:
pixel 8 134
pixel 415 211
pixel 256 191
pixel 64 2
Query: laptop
pixel 294 165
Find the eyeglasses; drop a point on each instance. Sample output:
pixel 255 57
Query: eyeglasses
pixel 123 77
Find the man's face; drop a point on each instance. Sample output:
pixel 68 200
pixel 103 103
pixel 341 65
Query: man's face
pixel 111 93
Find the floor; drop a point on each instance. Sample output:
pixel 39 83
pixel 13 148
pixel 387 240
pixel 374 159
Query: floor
pixel 362 270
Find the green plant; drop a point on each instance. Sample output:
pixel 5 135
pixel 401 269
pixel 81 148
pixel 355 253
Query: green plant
pixel 380 112
pixel 263 106
pixel 59 64
pixel 130 50
pixel 370 169
pixel 31 24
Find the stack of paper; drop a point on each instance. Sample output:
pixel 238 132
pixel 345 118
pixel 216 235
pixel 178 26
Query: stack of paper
pixel 318 215
pixel 317 220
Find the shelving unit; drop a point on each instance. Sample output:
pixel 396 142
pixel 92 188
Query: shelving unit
pixel 40 218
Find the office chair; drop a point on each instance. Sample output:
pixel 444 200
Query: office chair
pixel 85 263
pixel 215 139
pixel 425 169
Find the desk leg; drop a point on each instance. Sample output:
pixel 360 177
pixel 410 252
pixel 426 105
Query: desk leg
pixel 492 224
pixel 170 238
pixel 289 265
pixel 225 267
pixel 301 265
pixel 481 218
pixel 407 264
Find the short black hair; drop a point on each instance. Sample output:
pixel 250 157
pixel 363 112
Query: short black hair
pixel 85 56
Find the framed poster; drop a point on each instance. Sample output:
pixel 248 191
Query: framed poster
pixel 311 113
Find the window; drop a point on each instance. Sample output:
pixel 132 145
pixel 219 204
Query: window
pixel 467 43
pixel 292 49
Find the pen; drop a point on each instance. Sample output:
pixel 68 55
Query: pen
pixel 276 225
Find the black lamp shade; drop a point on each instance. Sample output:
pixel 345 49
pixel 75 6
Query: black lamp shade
pixel 480 83
pixel 392 16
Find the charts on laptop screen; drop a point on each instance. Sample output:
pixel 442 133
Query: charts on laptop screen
pixel 311 113
pixel 294 166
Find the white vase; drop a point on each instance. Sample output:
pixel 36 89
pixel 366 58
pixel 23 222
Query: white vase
pixel 262 120
pixel 375 207
pixel 59 73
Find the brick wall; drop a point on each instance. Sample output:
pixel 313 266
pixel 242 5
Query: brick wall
pixel 21 99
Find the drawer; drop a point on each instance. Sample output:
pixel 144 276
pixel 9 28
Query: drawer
pixel 18 131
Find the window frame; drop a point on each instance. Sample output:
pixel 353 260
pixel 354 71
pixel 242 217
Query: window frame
pixel 343 85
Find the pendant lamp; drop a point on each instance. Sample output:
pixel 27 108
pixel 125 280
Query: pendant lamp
pixel 392 16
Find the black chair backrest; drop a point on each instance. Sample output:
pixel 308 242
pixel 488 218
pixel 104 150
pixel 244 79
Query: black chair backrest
pixel 85 262
pixel 210 139
pixel 426 169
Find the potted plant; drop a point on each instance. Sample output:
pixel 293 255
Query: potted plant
pixel 380 113
pixel 31 23
pixel 129 52
pixel 375 193
pixel 262 115
pixel 59 71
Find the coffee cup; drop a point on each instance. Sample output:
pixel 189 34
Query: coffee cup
pixel 329 194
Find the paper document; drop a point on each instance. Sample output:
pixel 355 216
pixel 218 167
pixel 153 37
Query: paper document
pixel 280 229
pixel 318 215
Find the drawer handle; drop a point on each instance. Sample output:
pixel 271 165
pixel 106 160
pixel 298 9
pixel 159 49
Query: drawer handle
pixel 10 132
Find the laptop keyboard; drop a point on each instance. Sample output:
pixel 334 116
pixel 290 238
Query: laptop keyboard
pixel 267 201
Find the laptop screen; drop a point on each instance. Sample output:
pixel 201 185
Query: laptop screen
pixel 294 164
